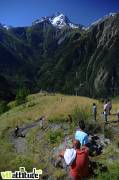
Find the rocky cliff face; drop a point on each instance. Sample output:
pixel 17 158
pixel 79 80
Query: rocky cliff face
pixel 65 59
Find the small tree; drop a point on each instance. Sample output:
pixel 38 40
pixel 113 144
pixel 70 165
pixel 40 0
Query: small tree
pixel 3 106
pixel 21 96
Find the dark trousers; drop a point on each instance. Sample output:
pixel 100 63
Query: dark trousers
pixel 95 115
pixel 105 117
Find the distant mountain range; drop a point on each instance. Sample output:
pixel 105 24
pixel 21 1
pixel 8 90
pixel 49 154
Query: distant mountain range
pixel 55 54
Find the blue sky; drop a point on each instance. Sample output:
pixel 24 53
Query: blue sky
pixel 23 12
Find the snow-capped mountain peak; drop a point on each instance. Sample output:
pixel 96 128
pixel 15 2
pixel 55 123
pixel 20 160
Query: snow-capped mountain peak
pixel 58 20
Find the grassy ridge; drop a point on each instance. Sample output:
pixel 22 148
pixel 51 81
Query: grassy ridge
pixel 52 106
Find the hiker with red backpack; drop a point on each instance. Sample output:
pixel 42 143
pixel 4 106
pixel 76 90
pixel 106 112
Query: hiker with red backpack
pixel 78 160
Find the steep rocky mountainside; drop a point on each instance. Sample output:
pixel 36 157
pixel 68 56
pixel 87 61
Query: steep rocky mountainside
pixel 56 55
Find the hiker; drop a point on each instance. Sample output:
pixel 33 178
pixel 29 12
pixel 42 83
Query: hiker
pixel 94 111
pixel 105 115
pixel 69 119
pixel 106 106
pixel 42 121
pixel 16 131
pixel 78 167
pixel 109 106
pixel 80 135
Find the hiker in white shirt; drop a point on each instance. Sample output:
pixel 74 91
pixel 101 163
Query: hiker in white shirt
pixel 109 105
pixel 106 106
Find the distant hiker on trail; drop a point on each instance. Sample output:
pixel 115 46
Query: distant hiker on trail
pixel 16 131
pixel 42 121
pixel 106 106
pixel 69 119
pixel 80 135
pixel 94 111
pixel 109 106
pixel 78 167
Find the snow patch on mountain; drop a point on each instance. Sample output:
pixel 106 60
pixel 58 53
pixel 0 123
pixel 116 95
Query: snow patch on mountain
pixel 58 21
pixel 103 19
pixel 112 14
pixel 99 21
pixel 86 28
pixel 5 26
pixel 73 26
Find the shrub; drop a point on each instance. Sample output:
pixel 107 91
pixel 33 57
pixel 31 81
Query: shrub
pixel 93 127
pixel 22 161
pixel 112 174
pixel 108 132
pixel 82 113
pixel 21 96
pixel 59 174
pixel 57 119
pixel 55 137
pixel 31 104
pixel 3 107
